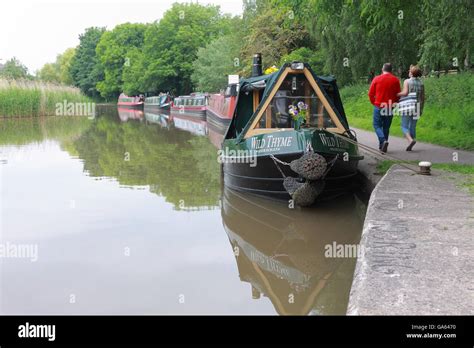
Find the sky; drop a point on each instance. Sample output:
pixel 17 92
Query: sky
pixel 36 31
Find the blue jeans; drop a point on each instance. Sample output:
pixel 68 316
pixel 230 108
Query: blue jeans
pixel 382 125
pixel 409 126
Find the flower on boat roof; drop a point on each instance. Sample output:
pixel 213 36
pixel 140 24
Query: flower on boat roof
pixel 298 112
pixel 271 70
pixel 293 110
pixel 302 106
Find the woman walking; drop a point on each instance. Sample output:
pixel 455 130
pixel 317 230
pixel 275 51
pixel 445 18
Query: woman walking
pixel 411 107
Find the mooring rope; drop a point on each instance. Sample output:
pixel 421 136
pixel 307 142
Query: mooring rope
pixel 275 160
pixel 279 161
pixel 330 165
pixel 375 151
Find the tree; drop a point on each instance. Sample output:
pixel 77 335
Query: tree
pixel 113 52
pixel 215 62
pixel 447 37
pixel 59 71
pixel 273 32
pixel 64 61
pixel 357 37
pixel 171 45
pixel 85 68
pixel 303 54
pixel 132 74
pixel 49 73
pixel 14 69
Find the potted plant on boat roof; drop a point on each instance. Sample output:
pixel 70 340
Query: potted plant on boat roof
pixel 298 113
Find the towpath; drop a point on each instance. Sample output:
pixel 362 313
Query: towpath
pixel 421 151
pixel 417 247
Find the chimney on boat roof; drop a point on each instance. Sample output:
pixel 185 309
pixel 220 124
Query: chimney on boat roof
pixel 257 65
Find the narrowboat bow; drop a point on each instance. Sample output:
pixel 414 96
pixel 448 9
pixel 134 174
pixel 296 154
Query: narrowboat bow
pixel 289 137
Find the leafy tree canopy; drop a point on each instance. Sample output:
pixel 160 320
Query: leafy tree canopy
pixel 112 51
pixel 85 68
pixel 14 69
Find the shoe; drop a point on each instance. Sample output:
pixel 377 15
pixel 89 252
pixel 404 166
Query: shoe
pixel 411 145
pixel 384 147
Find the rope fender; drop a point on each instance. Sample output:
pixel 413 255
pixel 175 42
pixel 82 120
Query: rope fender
pixel 312 169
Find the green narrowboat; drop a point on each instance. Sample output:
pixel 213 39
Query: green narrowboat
pixel 162 102
pixel 289 137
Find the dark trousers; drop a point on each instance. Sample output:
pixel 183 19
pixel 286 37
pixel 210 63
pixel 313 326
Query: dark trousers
pixel 382 123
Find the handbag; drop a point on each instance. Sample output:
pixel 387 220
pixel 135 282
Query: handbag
pixel 407 106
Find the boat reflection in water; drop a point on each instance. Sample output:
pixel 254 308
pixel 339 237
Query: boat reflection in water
pixel 281 251
pixel 193 126
pixel 160 117
pixel 129 114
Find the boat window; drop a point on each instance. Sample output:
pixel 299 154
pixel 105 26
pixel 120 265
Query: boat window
pixel 295 90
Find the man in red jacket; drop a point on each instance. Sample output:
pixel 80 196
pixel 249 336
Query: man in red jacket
pixel 383 94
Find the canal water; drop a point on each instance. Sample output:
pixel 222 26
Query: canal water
pixel 126 214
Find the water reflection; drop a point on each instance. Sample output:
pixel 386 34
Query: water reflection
pixel 193 126
pixel 281 251
pixel 154 116
pixel 126 114
pixel 92 188
pixel 173 164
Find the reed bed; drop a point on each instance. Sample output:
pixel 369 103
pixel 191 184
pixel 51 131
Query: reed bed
pixel 24 98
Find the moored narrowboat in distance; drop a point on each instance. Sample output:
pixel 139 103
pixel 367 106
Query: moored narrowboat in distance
pixel 221 107
pixel 130 102
pixel 193 106
pixel 289 137
pixel 162 102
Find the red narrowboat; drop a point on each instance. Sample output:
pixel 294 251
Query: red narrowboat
pixel 193 106
pixel 130 102
pixel 221 108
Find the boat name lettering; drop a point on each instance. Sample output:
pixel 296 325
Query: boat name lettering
pixel 333 141
pixel 271 142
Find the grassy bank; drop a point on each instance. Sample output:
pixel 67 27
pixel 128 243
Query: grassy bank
pixel 466 170
pixel 448 117
pixel 33 98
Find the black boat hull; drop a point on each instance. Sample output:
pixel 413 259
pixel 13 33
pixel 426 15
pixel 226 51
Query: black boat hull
pixel 265 179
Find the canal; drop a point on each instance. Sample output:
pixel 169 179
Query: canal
pixel 126 214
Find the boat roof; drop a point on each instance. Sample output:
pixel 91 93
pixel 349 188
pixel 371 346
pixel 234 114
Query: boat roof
pixel 244 108
pixel 191 96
